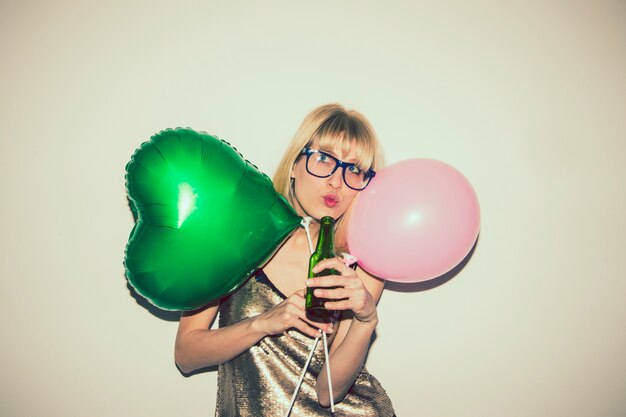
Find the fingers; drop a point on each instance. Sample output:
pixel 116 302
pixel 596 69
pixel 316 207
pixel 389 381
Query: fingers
pixel 335 281
pixel 333 293
pixel 350 295
pixel 296 299
pixel 334 263
pixel 305 328
pixel 309 327
pixel 325 327
pixel 294 315
pixel 338 305
pixel 342 299
pixel 363 309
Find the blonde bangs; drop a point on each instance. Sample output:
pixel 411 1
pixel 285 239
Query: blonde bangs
pixel 347 131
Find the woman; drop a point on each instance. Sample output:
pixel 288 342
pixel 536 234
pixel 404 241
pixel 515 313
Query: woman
pixel 264 335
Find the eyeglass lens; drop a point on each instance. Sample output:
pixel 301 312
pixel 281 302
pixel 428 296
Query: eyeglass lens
pixel 323 165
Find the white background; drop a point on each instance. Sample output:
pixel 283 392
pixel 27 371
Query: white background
pixel 526 98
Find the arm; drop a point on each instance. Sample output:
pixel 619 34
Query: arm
pixel 359 292
pixel 198 346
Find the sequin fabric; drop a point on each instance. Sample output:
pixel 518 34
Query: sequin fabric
pixel 261 381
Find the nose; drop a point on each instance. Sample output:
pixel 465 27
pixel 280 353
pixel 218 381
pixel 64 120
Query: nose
pixel 336 180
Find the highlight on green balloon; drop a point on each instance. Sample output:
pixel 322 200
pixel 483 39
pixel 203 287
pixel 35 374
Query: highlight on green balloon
pixel 206 219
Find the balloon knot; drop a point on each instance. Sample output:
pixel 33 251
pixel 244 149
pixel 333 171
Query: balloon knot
pixel 306 221
pixel 349 259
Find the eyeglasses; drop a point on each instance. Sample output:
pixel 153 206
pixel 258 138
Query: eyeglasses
pixel 322 165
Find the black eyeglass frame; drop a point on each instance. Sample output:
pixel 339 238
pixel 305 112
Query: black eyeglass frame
pixel 367 176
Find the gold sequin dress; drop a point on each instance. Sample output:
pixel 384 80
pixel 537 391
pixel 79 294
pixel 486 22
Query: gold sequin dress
pixel 261 381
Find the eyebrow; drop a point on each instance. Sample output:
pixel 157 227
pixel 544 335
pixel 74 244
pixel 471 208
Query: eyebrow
pixel 328 151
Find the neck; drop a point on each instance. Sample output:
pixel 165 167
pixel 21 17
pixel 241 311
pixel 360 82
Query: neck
pixel 299 239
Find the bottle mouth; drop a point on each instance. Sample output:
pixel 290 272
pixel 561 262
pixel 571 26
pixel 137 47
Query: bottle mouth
pixel 327 220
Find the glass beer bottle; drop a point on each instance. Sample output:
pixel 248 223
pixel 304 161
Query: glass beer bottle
pixel 325 249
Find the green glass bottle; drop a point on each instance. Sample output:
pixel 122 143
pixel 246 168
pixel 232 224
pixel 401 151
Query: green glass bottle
pixel 325 249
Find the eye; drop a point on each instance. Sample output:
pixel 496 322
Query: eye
pixel 354 170
pixel 322 158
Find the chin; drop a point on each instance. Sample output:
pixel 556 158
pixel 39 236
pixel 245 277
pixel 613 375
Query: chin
pixel 334 212
pixel 317 211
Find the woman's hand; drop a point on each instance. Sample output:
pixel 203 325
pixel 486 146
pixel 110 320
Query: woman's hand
pixel 350 292
pixel 290 314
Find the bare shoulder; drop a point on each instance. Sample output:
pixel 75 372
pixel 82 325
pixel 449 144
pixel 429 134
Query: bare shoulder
pixel 201 318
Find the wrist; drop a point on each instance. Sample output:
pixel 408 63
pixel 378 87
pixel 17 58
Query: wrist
pixel 257 326
pixel 371 321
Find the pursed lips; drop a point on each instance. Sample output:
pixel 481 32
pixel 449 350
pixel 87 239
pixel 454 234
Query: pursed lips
pixel 330 200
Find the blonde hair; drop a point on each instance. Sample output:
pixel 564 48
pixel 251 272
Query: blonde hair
pixel 326 126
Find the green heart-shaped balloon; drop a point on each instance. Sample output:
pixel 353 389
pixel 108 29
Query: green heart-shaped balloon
pixel 206 219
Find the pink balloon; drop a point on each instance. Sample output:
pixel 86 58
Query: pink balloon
pixel 416 220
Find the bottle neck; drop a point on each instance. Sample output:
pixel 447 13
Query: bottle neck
pixel 326 238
